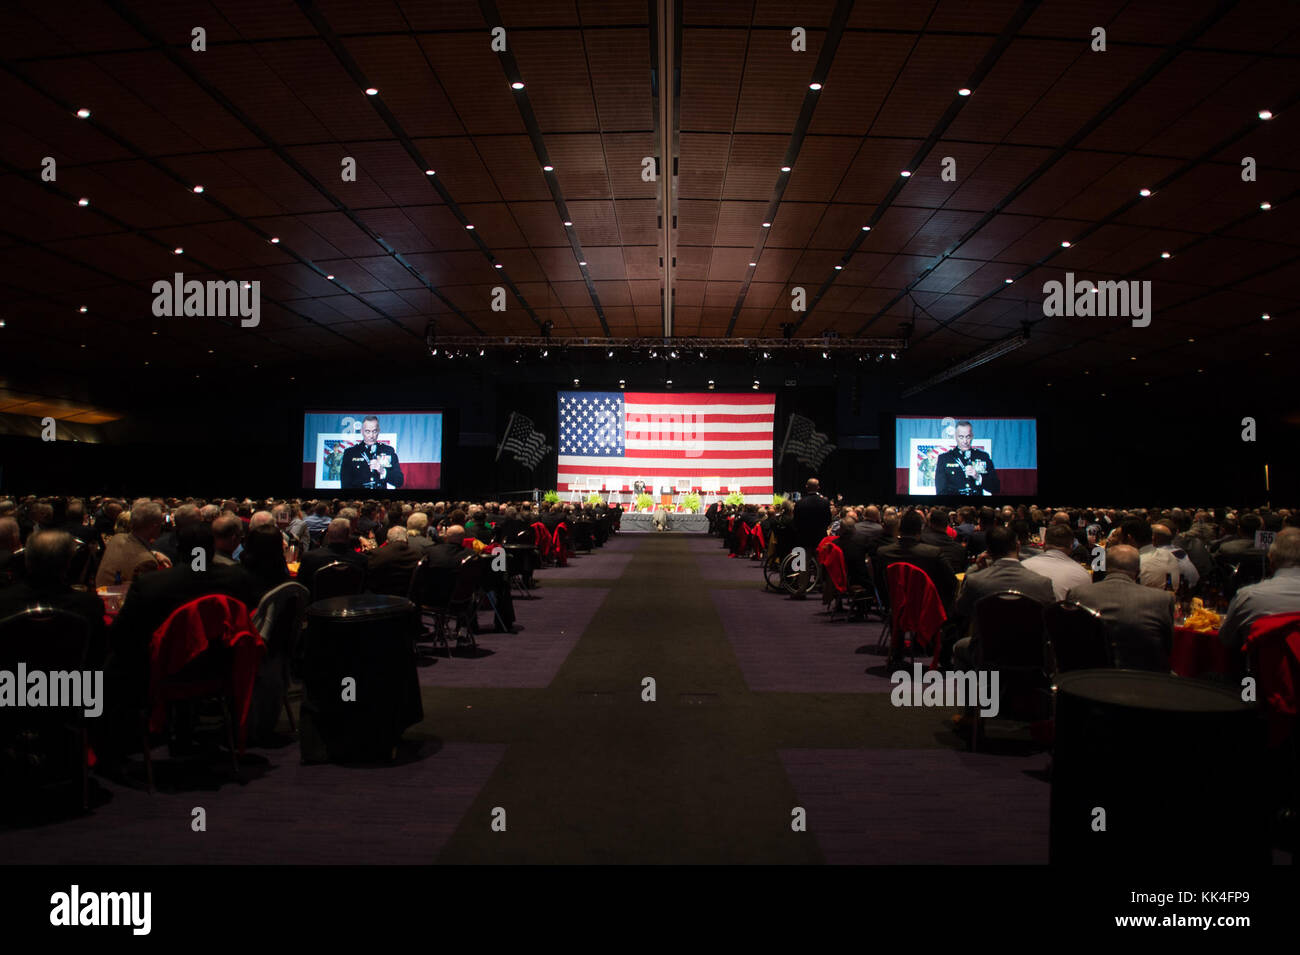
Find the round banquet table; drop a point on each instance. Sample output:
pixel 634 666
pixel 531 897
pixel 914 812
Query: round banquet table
pixel 1171 766
pixel 370 639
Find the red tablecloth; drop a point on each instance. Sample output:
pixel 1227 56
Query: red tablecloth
pixel 1199 653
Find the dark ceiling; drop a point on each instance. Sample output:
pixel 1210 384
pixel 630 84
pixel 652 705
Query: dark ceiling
pixel 1053 145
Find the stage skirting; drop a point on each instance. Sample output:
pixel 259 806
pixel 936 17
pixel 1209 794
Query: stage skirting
pixel 644 523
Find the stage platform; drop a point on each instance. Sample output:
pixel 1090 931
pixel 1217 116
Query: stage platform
pixel 644 523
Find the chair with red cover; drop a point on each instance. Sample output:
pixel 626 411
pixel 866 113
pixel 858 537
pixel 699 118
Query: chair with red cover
pixel 757 541
pixel 205 648
pixel 1272 645
pixel 543 541
pixel 560 543
pixel 915 606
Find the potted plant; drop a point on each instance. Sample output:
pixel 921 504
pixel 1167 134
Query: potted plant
pixel 691 503
pixel 734 499
pixel 593 499
pixel 644 502
pixel 551 497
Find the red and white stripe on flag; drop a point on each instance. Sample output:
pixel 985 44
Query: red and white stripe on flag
pixel 676 436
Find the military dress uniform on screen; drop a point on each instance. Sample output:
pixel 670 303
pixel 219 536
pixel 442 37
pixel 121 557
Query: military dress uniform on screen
pixel 950 473
pixel 358 474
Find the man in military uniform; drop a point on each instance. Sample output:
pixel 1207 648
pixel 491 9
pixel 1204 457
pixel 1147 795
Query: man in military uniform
pixel 370 464
pixel 965 470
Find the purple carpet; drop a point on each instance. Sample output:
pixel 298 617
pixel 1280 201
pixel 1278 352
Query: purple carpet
pixel 786 646
pixel 552 625
pixel 603 563
pixel 402 814
pixel 922 807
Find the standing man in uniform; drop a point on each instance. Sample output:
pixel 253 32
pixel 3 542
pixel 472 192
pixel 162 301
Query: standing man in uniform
pixel 965 470
pixel 370 464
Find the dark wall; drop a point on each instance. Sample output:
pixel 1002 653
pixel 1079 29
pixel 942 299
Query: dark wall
pixel 243 436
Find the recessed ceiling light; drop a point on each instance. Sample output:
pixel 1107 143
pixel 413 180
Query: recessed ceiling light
pixel 1266 206
pixel 1144 193
pixel 1265 114
pixel 583 262
pixel 497 265
pixel 767 225
pixel 1266 316
pixel 785 168
pixel 963 92
pixel 568 223
pixel 178 250
pixel 548 168
pixel 753 265
pixel 1008 281
pixel 1066 244
pixel 153 333
pixel 1191 339
pixel 1132 357
pixel 469 225
pixel 866 228
pixel 1268 354
pixel 814 86
pixel 82 309
pixel 1166 255
pixel 371 91
pixel 905 173
pixel 430 172
pixel 275 240
pixel 210 352
pixel 330 277
pixel 516 85
pixel 198 188
pixel 83 113
pixel 756 386
pixel 83 202
pixel 839 268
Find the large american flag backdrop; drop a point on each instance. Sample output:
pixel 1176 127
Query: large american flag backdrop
pixel 665 438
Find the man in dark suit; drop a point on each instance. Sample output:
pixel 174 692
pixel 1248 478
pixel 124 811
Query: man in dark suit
pixel 1139 620
pixel 338 546
pixel 370 464
pixel 965 470
pixel 74 522
pixel 184 516
pixel 148 604
pixel 1005 573
pixel 909 549
pixel 389 568
pixel 11 568
pixel 812 517
pixel 47 558
pixel 936 535
pixel 869 532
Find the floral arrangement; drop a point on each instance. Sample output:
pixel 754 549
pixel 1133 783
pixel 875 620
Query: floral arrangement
pixel 734 499
pixel 691 503
pixel 644 502
pixel 551 497
pixel 778 500
pixel 593 499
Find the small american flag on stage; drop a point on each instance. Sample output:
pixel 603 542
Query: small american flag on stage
pixel 662 439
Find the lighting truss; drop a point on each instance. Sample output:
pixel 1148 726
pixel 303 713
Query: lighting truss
pixel 996 350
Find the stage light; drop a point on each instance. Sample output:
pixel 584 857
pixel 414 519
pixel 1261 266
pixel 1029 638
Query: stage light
pixel 893 354
pixel 668 382
pixel 482 352
pixel 866 228
pixel 330 277
pixel 756 384
pixel 576 382
pixel 433 352
pixel 766 355
pixel 583 263
pixel 701 354
pixel 710 384
pixel 673 353
pixel 826 354
pixel 545 352
pixel 839 268
pixel 621 383
pixel 610 353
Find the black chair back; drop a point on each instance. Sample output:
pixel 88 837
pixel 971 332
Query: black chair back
pixel 15 571
pixel 1076 638
pixel 582 535
pixel 1013 642
pixel 432 586
pixel 81 570
pixel 337 579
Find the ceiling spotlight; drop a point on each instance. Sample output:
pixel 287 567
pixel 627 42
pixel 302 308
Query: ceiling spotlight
pixel 826 354
pixel 668 382
pixel 1166 255
pixel 371 91
pixel 893 354
pixel 621 383
pixel 433 352
pixel 1191 339
pixel 785 168
pixel 470 226
pixel 767 225
pixel 673 353
pixel 905 173
pixel 963 92
pixel 653 353
pixel 866 228
pixel 275 240
pixel 82 309
pixel 330 277
pixel 545 352
pixel 814 86
pixel 1008 281
pixel 482 352
pixel 83 113
pixel 710 384
pixel 178 251
pixel 1266 316
pixel 1144 193
pixel 548 168
pixel 610 353
pixel 1263 114
pixel 497 265
pixel 430 172
pixel 198 188
pixel 753 265
pixel 1266 206
pixel 756 384
pixel 576 382
pixel 83 202
pixel 583 262
pixel 516 85
pixel 880 356
pixel 568 223
pixel 701 354
pixel 766 355
pixel 839 268
pixel 1066 244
